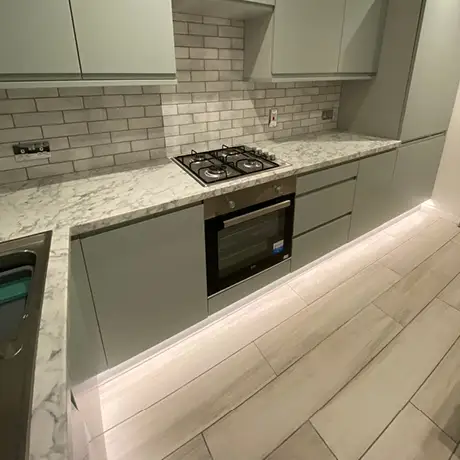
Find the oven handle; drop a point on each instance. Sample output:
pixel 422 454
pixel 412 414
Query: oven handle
pixel 258 213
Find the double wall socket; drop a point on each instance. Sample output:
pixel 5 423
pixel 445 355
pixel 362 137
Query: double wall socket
pixel 31 151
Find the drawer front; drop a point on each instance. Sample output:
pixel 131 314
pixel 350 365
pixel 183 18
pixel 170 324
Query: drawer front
pixel 320 207
pixel 330 176
pixel 312 245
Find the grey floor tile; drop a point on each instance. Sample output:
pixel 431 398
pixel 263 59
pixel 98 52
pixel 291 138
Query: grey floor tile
pixel 304 444
pixel 296 336
pixel 194 450
pixel 412 253
pixel 415 291
pixel 451 294
pixel 411 436
pixel 439 397
pixel 263 422
pixel 172 422
pixel 357 415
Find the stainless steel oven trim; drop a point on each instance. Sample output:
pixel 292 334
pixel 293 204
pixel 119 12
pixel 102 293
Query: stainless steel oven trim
pixel 254 214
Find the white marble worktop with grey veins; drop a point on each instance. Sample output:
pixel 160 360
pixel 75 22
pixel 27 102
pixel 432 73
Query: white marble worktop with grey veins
pixel 90 201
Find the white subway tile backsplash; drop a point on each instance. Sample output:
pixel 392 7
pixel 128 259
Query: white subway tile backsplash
pixel 133 157
pixel 58 103
pixel 111 149
pixel 93 163
pixel 20 134
pixel 217 42
pixel 6 121
pixel 83 91
pixel 202 53
pixel 94 102
pixel 17 106
pixel 125 112
pixel 206 30
pixel 56 169
pixel 190 64
pixel 191 108
pixel 24 93
pixel 232 32
pixel 73 116
pixel 107 126
pixel 147 144
pixel 89 139
pixel 131 135
pixel 94 127
pixel 69 129
pixel 146 122
pixel 59 156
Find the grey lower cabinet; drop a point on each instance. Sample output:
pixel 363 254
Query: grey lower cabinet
pixel 415 172
pixel 374 200
pixel 148 280
pixel 85 350
pixel 316 243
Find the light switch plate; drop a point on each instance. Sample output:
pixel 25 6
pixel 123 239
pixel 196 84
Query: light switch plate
pixel 273 118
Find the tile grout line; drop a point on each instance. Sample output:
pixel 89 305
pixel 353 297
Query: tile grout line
pixel 206 444
pixel 322 439
pixel 410 399
pixel 265 359
pixel 431 420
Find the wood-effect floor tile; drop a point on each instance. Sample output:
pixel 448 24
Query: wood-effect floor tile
pixel 439 397
pixel 304 444
pixel 412 253
pixel 357 415
pixel 411 436
pixel 332 272
pixel 172 422
pixel 451 294
pixel 296 336
pixel 416 290
pixel 194 450
pixel 411 225
pixel 263 422
pixel 144 385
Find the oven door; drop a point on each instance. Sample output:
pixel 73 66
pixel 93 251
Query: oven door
pixel 248 241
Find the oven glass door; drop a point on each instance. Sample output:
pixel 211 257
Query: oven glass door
pixel 246 242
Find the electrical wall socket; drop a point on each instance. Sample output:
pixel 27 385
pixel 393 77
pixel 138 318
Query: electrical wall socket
pixel 327 114
pixel 32 151
pixel 273 118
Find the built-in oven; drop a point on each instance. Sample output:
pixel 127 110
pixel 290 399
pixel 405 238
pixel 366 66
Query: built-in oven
pixel 248 231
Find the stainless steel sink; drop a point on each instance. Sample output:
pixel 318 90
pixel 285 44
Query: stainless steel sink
pixel 23 265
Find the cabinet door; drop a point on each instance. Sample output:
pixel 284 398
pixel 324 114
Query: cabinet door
pixel 373 203
pixel 362 34
pixel 148 281
pixel 131 37
pixel 415 173
pixel 37 39
pixel 85 350
pixel 307 36
pixel 436 71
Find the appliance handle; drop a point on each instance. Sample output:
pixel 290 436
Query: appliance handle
pixel 258 213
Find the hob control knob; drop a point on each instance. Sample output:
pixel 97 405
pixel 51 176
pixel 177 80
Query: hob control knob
pixel 272 156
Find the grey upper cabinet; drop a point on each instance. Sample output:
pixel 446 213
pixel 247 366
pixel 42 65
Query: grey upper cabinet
pixel 37 40
pixel 307 36
pixel 415 172
pixel 313 39
pixel 373 204
pixel 436 71
pixel 361 37
pixel 133 38
pixel 85 350
pixel 414 91
pixel 148 281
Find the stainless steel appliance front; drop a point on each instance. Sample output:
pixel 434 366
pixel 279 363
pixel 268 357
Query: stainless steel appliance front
pixel 248 231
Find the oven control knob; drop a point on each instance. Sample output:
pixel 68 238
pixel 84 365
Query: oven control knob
pixel 232 204
pixel 278 189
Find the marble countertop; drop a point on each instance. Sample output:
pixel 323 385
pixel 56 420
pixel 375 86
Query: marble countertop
pixel 84 202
